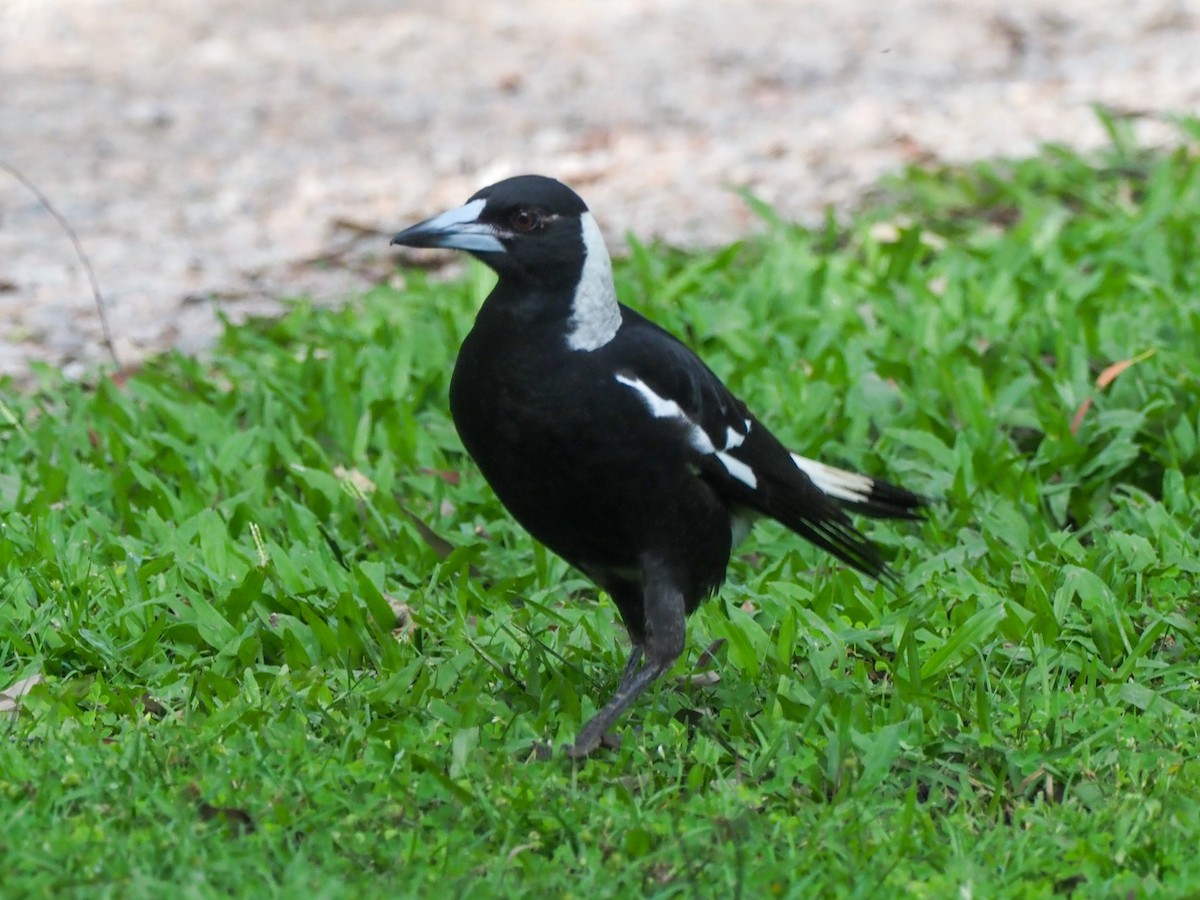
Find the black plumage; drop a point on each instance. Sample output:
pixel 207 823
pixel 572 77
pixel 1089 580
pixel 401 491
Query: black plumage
pixel 610 441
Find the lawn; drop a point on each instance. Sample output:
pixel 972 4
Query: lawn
pixel 279 638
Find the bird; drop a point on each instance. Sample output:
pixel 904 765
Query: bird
pixel 611 442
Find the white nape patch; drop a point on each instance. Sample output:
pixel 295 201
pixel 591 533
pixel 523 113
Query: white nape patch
pixel 837 483
pixel 595 315
pixel 662 408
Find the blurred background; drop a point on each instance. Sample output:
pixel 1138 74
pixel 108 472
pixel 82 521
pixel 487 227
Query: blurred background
pixel 218 156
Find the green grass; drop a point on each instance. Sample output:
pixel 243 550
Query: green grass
pixel 194 563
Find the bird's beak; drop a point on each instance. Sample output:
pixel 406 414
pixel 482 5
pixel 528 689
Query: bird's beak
pixel 457 229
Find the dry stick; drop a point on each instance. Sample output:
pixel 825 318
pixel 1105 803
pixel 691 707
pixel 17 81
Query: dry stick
pixel 83 258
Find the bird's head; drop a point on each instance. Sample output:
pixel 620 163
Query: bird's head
pixel 541 240
pixel 529 229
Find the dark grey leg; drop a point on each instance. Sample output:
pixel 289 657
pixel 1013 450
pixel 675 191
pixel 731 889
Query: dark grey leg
pixel 666 628
pixel 631 667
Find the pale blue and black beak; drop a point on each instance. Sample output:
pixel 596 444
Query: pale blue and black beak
pixel 456 229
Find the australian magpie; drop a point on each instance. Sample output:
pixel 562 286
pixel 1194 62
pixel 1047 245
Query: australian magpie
pixel 610 441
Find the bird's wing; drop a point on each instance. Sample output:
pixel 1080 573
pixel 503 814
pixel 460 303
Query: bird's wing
pixel 742 460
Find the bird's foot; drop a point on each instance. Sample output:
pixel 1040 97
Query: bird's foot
pixel 587 744
pixel 541 751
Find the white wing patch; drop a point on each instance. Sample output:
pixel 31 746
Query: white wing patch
pixel 595 314
pixel 843 485
pixel 659 408
pixel 738 469
pixel 662 408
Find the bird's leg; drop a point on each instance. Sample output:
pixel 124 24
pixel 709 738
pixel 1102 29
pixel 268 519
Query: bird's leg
pixel 594 731
pixel 666 628
pixel 631 667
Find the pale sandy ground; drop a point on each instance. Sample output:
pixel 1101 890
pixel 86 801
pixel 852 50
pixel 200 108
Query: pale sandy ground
pixel 209 152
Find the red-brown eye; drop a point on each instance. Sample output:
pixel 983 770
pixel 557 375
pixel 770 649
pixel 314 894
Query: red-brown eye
pixel 524 220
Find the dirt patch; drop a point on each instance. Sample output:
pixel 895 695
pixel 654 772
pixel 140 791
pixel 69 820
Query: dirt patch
pixel 218 156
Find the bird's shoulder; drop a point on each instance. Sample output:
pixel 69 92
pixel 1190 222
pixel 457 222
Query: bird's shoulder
pixel 676 388
pixel 658 362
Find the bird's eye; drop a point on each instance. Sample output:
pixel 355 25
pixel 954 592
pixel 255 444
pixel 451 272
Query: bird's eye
pixel 524 220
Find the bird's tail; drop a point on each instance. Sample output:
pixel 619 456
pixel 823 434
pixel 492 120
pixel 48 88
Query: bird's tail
pixel 861 493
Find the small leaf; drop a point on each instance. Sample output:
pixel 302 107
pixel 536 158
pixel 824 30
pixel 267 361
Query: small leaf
pixel 11 696
pixel 966 637
pixel 1105 378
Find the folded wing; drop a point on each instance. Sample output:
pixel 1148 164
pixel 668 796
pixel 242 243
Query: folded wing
pixel 740 458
